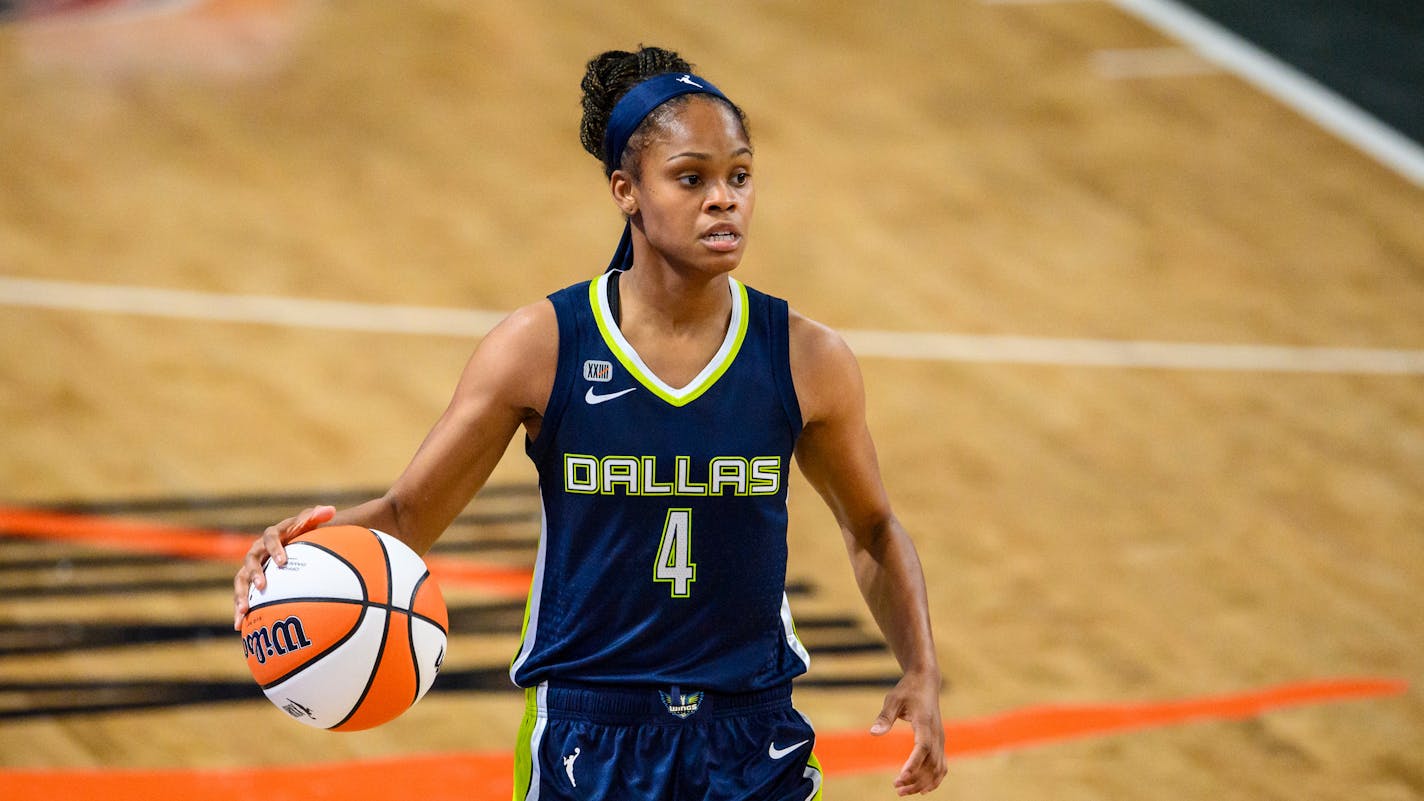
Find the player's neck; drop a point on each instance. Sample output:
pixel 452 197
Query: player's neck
pixel 661 298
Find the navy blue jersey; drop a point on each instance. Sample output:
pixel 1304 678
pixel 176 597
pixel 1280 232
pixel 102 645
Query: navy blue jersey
pixel 662 554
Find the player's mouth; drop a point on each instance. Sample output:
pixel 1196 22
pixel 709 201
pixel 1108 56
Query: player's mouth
pixel 723 237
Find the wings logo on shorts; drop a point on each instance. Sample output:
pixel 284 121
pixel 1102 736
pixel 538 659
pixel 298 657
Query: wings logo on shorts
pixel 681 704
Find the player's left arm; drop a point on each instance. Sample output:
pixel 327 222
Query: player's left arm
pixel 837 456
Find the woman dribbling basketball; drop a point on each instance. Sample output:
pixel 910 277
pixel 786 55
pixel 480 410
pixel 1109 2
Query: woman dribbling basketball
pixel 663 403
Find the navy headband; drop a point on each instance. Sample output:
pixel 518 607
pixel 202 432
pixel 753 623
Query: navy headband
pixel 640 101
pixel 628 114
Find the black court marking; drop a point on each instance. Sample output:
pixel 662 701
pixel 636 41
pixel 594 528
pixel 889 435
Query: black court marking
pixel 78 637
pixel 68 698
pixel 68 564
pixel 825 635
pixel 126 587
pixel 39 570
pixel 61 699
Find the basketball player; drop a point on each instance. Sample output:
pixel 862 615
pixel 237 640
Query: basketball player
pixel 663 403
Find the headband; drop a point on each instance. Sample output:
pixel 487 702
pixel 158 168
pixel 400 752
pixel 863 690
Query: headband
pixel 628 113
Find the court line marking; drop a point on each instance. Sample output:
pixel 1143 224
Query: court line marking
pixel 488 775
pixel 996 349
pixel 1152 62
pixel 186 304
pixel 1284 83
pixel 1032 2
pixel 223 546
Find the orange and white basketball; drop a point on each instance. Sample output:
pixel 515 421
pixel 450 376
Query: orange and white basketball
pixel 349 633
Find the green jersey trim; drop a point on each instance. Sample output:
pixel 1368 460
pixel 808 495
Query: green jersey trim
pixel 633 363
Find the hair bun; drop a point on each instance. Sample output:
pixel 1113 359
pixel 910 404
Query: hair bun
pixel 608 77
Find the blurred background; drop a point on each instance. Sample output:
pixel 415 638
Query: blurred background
pixel 1137 288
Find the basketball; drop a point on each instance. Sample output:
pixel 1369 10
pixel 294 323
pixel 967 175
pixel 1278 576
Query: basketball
pixel 349 633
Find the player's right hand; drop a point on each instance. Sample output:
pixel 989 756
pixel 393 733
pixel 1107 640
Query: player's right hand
pixel 269 546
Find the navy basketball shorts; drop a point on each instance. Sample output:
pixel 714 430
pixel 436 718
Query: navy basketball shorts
pixel 644 744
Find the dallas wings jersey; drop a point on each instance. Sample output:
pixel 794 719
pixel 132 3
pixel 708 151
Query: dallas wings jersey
pixel 662 553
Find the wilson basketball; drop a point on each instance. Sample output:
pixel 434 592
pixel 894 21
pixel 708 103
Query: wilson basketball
pixel 349 633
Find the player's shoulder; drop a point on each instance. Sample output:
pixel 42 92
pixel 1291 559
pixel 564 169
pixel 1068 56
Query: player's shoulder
pixel 514 363
pixel 525 342
pixel 532 331
pixel 814 343
pixel 532 324
pixel 823 369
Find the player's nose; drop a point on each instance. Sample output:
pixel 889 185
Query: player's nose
pixel 720 196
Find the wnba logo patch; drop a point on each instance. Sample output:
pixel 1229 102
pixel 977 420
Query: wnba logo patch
pixel 594 370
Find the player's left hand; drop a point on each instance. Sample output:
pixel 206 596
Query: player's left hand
pixel 915 700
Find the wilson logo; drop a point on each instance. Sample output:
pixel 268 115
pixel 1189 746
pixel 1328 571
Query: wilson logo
pixel 282 637
pixel 595 370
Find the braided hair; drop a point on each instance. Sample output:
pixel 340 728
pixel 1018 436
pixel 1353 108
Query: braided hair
pixel 607 78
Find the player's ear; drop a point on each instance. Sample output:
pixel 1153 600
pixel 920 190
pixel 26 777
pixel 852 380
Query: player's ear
pixel 625 192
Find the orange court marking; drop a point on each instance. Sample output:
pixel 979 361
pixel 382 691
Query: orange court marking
pixel 485 776
pixel 853 752
pixel 147 537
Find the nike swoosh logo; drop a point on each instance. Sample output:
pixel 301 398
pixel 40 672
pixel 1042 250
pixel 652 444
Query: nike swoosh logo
pixel 777 753
pixel 593 399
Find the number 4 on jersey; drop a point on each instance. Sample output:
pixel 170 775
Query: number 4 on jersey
pixel 674 564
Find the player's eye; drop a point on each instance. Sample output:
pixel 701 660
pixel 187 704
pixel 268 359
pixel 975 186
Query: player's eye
pixel 690 180
pixel 741 178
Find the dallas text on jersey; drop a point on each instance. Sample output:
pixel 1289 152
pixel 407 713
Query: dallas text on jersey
pixel 638 475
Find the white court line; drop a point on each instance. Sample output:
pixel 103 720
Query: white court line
pixel 994 349
pixel 1151 62
pixel 980 348
pixel 186 304
pixel 1284 83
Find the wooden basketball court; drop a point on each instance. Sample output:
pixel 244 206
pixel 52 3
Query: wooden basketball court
pixel 1142 347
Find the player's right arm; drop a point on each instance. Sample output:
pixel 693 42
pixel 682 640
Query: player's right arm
pixel 506 383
